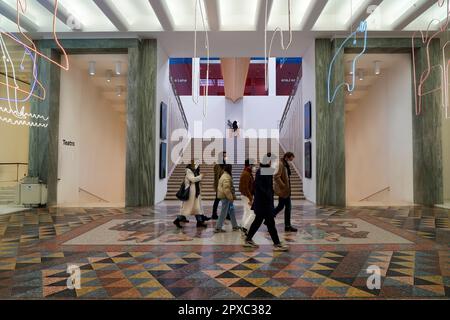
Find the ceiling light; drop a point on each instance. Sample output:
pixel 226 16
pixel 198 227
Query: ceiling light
pixel 361 75
pixel 377 67
pixel 279 14
pixel 118 68
pixel 92 68
pixel 109 75
pixel 182 14
pixel 337 14
pixel 119 91
pixel 350 67
pixel 238 15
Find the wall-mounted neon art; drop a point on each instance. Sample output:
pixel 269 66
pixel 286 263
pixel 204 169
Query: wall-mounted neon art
pixel 443 69
pixel 362 28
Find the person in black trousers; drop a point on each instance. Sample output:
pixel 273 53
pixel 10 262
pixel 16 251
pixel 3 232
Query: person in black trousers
pixel 218 170
pixel 263 206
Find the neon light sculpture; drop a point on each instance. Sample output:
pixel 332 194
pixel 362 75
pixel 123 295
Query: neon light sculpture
pixel 362 28
pixel 283 46
pixel 419 85
pixel 196 77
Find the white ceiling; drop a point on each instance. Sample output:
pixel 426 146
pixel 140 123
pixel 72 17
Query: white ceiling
pixel 220 15
pixel 366 65
pixel 103 63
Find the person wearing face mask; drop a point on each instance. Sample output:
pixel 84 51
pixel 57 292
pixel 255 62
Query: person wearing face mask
pixel 263 206
pixel 282 188
pixel 193 206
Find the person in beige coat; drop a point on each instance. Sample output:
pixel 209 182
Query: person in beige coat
pixel 227 195
pixel 193 206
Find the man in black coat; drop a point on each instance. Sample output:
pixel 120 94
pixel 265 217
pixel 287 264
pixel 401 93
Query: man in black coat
pixel 263 205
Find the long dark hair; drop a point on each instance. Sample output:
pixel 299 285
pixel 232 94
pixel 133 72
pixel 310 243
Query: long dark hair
pixel 228 168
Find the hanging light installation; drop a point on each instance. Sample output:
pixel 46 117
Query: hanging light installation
pixel 426 39
pixel 362 28
pixel 196 73
pixel 283 46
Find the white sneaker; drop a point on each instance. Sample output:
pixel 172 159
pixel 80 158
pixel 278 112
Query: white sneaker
pixel 280 247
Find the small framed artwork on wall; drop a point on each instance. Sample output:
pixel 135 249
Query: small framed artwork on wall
pixel 163 121
pixel 308 120
pixel 308 160
pixel 163 160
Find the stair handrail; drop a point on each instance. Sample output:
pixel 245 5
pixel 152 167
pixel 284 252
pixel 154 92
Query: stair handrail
pixel 376 193
pixel 93 195
pixel 290 99
pixel 179 103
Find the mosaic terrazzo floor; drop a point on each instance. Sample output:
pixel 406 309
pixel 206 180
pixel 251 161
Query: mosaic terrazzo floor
pixel 328 258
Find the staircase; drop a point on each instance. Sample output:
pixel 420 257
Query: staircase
pixel 207 184
pixel 7 195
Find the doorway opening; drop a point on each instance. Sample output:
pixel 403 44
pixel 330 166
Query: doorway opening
pixel 92 131
pixel 378 131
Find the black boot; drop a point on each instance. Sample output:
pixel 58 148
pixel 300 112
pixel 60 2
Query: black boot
pixel 201 224
pixel 177 223
pixel 205 218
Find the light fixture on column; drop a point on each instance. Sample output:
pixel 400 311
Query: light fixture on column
pixel 92 68
pixel 350 67
pixel 361 74
pixel 119 91
pixel 118 68
pixel 377 67
pixel 109 75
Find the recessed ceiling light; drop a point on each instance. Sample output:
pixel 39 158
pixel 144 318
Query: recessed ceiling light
pixel 238 15
pixel 119 91
pixel 377 67
pixel 118 68
pixel 109 75
pixel 92 68
pixel 361 75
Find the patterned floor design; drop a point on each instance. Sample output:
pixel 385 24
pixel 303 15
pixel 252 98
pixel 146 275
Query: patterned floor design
pixel 34 259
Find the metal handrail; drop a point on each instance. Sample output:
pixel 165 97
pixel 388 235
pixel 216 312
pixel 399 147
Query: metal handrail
pixel 180 104
pixel 289 102
pixel 17 164
pixel 376 193
pixel 93 195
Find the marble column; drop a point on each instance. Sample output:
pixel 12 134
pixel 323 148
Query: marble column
pixel 427 134
pixel 141 124
pixel 43 150
pixel 330 129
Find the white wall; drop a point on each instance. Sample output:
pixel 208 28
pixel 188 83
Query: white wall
pixel 165 94
pixel 308 92
pixel 13 139
pixel 379 139
pixel 97 162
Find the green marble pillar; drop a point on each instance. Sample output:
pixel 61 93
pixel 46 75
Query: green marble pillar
pixel 427 134
pixel 141 124
pixel 43 150
pixel 330 129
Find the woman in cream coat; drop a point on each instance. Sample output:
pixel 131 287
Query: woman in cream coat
pixel 193 206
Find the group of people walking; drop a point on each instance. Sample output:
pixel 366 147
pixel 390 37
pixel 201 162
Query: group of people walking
pixel 257 193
